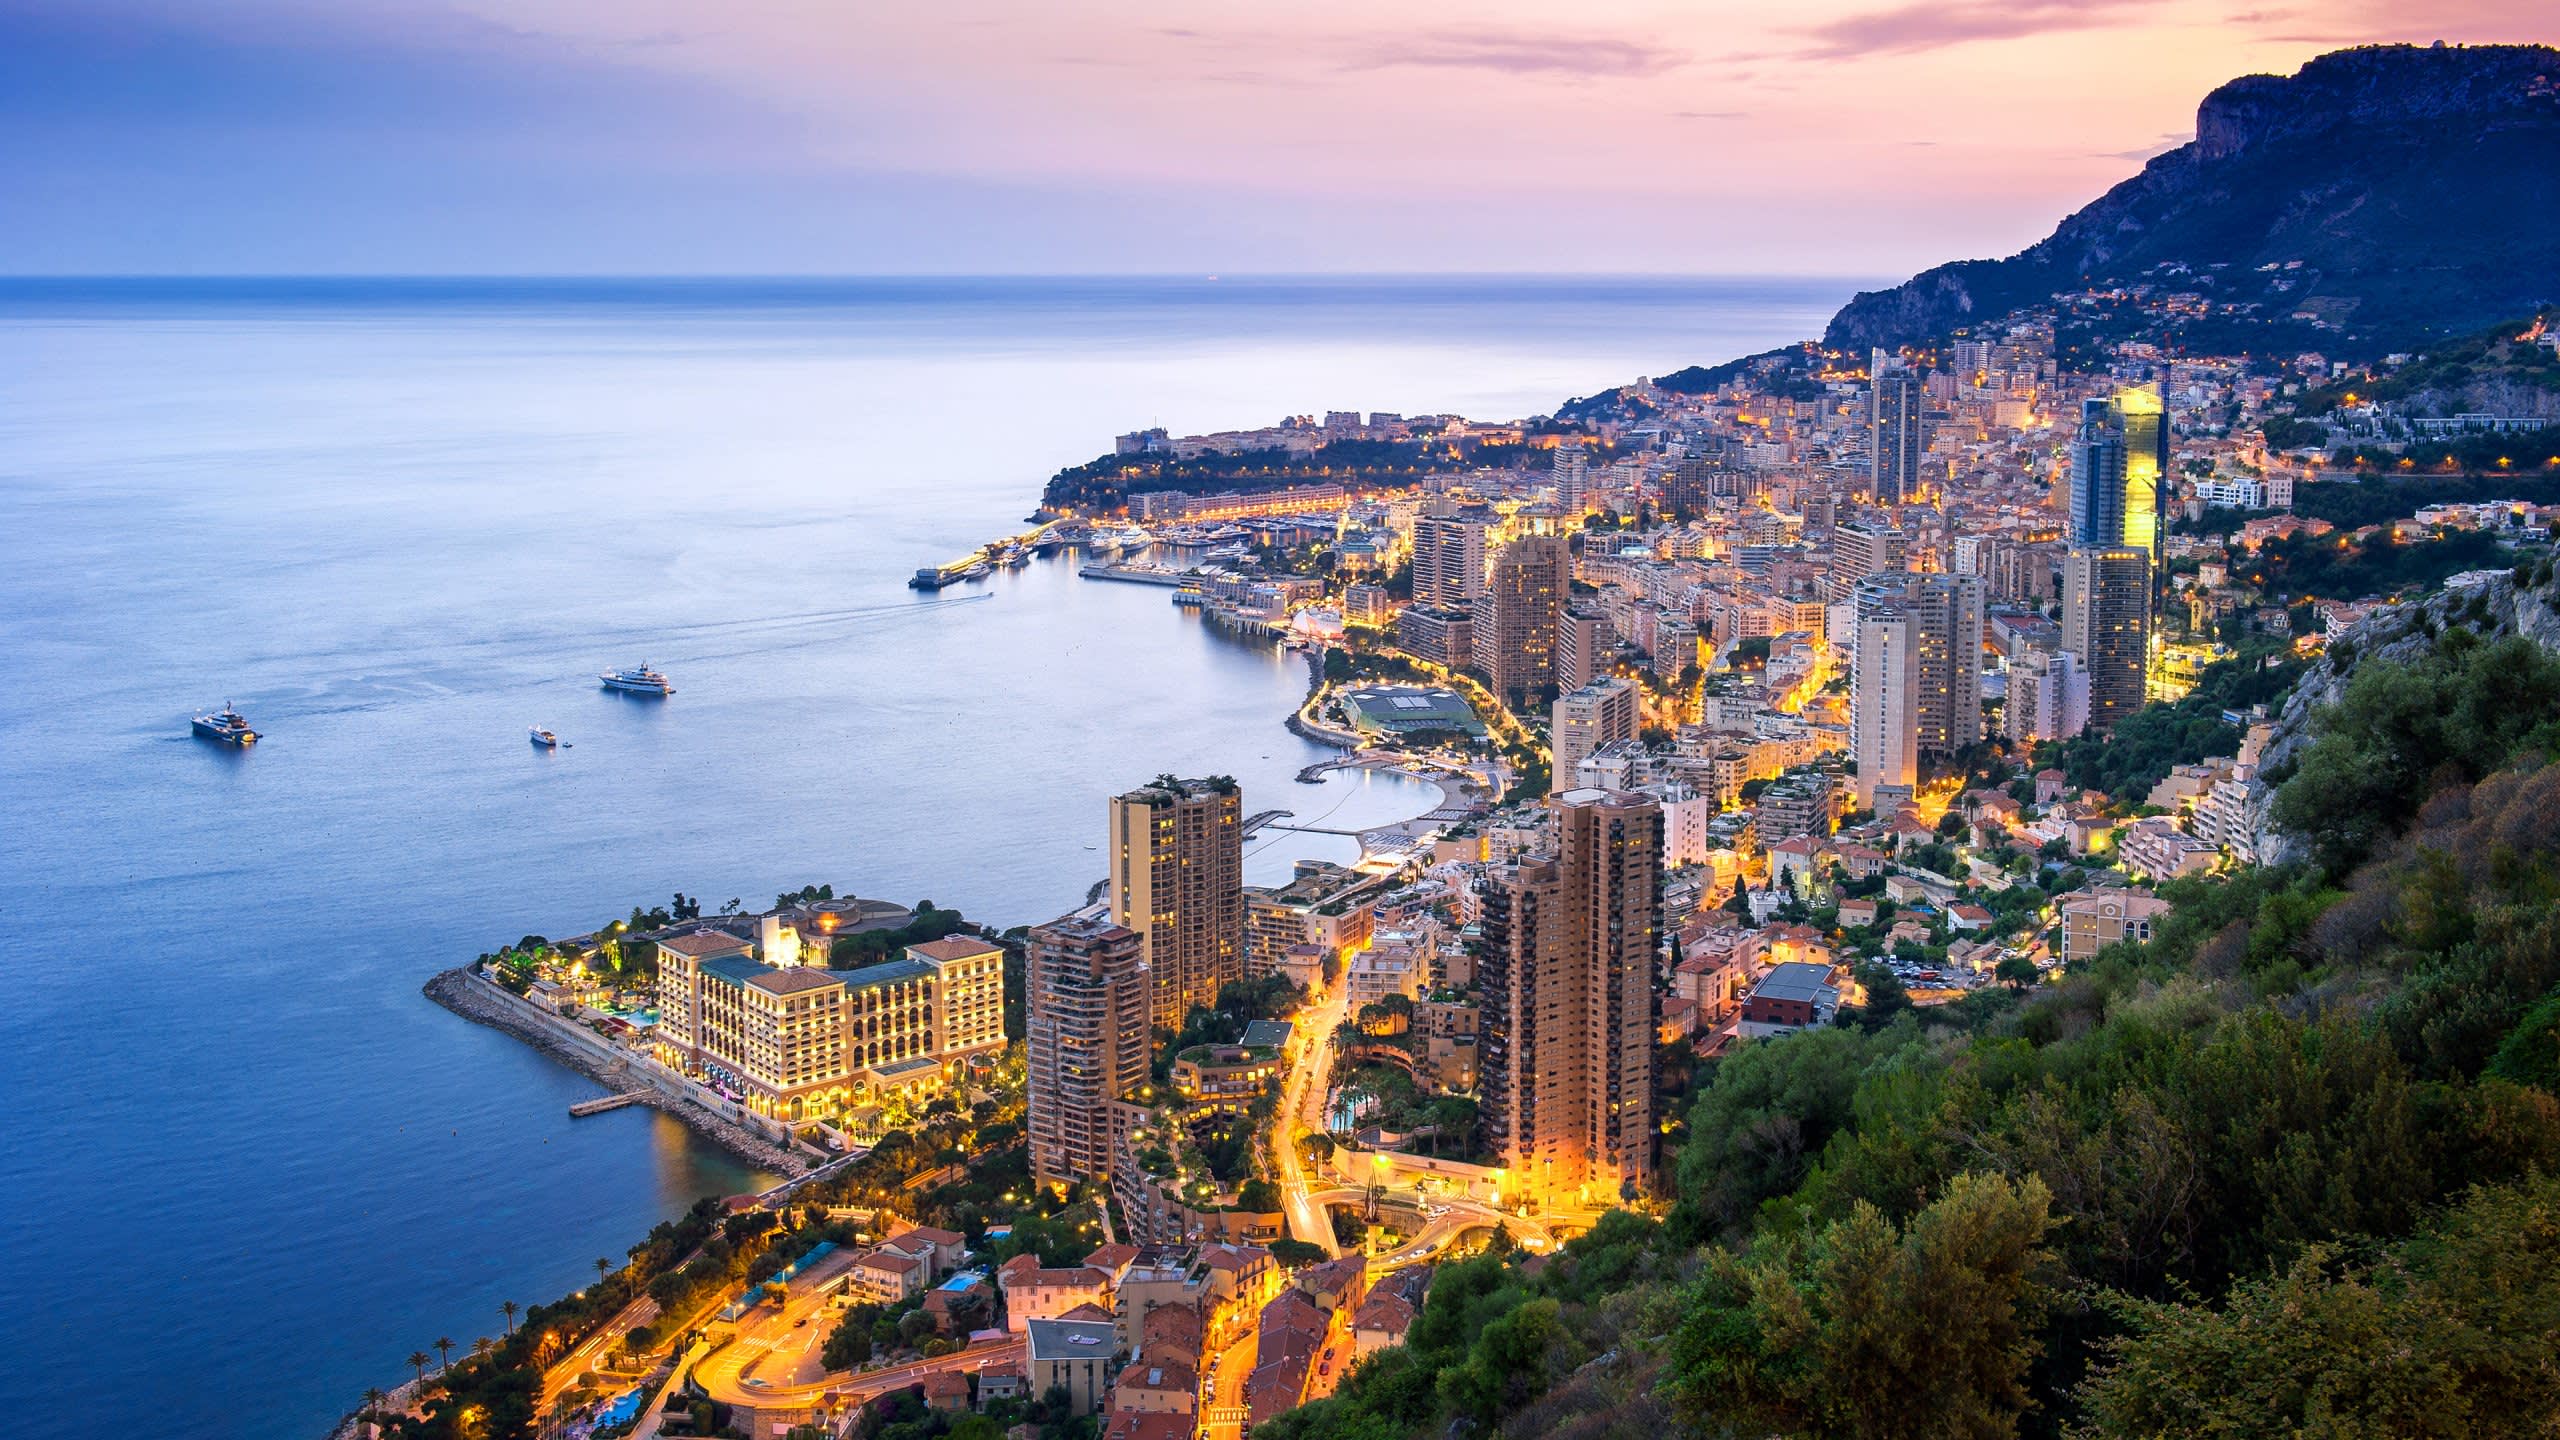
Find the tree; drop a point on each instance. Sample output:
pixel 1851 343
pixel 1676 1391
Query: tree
pixel 1886 995
pixel 2401 730
pixel 1512 1362
pixel 2016 971
pixel 849 1344
pixel 2449 1334
pixel 604 1268
pixel 418 1362
pixel 1865 1330
pixel 444 1353
pixel 1295 1254
pixel 1770 1108
pixel 509 1308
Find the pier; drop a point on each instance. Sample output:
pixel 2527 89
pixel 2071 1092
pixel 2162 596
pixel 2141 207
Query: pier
pixel 585 1108
pixel 987 559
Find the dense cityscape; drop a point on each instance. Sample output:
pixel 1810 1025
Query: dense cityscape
pixel 1820 692
pixel 1990 874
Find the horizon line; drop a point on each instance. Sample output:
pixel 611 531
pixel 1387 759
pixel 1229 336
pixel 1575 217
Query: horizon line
pixel 1202 276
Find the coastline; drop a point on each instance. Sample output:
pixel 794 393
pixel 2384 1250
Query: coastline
pixel 483 1003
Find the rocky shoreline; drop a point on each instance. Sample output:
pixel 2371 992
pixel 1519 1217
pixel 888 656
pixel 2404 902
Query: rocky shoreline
pixel 478 1001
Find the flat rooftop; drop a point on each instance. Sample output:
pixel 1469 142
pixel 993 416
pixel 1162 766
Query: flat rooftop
pixel 1073 1339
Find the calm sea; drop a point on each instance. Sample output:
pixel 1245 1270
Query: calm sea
pixel 246 1167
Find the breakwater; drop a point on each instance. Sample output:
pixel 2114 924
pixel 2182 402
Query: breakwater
pixel 485 1003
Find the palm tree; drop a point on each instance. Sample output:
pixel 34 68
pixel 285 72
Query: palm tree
pixel 482 1346
pixel 603 1268
pixel 373 1398
pixel 444 1353
pixel 418 1362
pixel 509 1309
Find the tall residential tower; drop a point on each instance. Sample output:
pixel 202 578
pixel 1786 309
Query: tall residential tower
pixel 1088 1042
pixel 1893 430
pixel 1568 1015
pixel 2106 622
pixel 1177 880
pixel 1516 639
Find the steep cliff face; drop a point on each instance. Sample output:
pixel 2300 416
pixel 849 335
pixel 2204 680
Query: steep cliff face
pixel 2494 608
pixel 2399 191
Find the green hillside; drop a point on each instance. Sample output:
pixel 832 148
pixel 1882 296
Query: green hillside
pixel 2287 1169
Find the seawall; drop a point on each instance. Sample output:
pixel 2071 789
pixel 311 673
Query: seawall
pixel 484 1002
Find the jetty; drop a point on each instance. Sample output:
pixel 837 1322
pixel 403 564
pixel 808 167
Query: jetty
pixel 598 1106
pixel 995 555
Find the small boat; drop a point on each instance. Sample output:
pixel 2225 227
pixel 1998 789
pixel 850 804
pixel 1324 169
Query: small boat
pixel 544 739
pixel 225 726
pixel 638 680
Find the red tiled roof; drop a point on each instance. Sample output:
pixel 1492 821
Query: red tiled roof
pixel 703 943
pixel 1146 1425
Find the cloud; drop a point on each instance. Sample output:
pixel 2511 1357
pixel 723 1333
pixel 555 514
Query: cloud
pixel 134 68
pixel 1911 29
pixel 1517 53
pixel 1708 114
pixel 2161 146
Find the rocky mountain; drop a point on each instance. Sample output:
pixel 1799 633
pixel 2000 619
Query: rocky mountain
pixel 2377 197
pixel 2492 606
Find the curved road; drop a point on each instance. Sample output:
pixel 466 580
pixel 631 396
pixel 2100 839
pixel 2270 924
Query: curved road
pixel 1302 1112
pixel 724 1373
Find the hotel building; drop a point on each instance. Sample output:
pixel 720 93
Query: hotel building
pixel 801 1041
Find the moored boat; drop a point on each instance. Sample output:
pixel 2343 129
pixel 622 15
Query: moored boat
pixel 544 739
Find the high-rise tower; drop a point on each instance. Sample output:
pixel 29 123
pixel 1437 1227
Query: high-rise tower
pixel 2119 459
pixel 1517 641
pixel 1893 430
pixel 2106 621
pixel 1566 981
pixel 1448 556
pixel 1884 698
pixel 1177 880
pixel 1948 610
pixel 1088 1042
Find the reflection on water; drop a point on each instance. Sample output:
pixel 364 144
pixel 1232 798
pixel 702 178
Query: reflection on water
pixel 687 1167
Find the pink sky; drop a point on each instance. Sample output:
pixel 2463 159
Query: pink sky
pixel 1323 134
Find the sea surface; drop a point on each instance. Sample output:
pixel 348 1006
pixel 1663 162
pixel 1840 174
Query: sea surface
pixel 245 1167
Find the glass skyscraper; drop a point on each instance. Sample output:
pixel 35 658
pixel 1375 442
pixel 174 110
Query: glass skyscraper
pixel 2119 461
